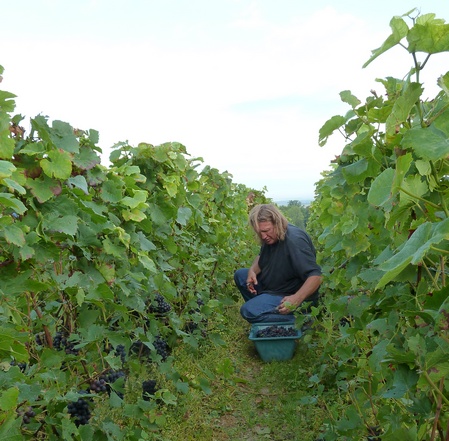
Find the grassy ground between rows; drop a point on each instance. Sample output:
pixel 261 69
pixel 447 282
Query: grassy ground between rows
pixel 250 400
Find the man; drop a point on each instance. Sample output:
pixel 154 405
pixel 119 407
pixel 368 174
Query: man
pixel 284 274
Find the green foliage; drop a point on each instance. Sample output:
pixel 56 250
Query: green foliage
pixel 381 226
pixel 85 250
pixel 296 213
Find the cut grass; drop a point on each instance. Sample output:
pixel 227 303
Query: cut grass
pixel 249 399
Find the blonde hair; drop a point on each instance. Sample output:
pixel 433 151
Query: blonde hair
pixel 268 213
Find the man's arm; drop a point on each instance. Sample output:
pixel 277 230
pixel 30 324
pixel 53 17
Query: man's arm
pixel 253 271
pixel 306 290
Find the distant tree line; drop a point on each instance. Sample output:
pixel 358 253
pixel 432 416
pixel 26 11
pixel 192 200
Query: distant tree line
pixel 296 213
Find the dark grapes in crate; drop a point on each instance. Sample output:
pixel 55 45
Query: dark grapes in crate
pixel 276 331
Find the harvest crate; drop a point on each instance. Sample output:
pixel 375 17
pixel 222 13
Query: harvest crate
pixel 274 348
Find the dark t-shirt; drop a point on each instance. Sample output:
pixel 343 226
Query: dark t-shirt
pixel 287 264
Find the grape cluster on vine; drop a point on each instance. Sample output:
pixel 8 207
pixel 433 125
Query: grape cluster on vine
pixel 27 415
pixel 161 306
pixel 109 378
pixel 99 385
pixel 192 325
pixel 79 410
pixel 121 352
pixel 61 342
pixel 22 366
pixel 161 347
pixel 149 388
pixel 40 339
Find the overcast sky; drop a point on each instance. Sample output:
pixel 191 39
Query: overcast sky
pixel 244 84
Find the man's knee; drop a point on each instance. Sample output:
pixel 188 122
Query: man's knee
pixel 246 313
pixel 240 276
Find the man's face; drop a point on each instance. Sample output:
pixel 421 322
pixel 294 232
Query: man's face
pixel 267 233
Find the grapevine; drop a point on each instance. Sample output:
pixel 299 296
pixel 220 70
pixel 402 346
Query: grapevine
pixel 380 221
pixel 98 261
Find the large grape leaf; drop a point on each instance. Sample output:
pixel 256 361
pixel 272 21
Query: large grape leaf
pixel 7 102
pixel 402 107
pixel 86 158
pixel 347 97
pixel 65 224
pixel 404 380
pixel 9 398
pixel 414 250
pixel 414 187
pixel 79 181
pixel 359 170
pixel 64 137
pixel 10 429
pixel 428 143
pixel 399 31
pixel 13 234
pixel 329 127
pixel 112 190
pixel 137 201
pixel 184 214
pixel 6 169
pixel 429 35
pixel 6 145
pixel 380 192
pixel 14 185
pixel 41 188
pixel 8 200
pixel 57 164
pixel 443 82
pixel 402 167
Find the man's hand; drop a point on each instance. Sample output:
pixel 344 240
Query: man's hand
pixel 251 286
pixel 251 282
pixel 288 304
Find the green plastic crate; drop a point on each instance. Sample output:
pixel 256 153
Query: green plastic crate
pixel 274 348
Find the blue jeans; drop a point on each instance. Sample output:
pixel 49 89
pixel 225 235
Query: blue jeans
pixel 261 307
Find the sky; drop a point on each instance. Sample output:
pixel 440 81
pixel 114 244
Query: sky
pixel 243 84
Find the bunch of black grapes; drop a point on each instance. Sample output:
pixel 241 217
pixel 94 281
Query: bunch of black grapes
pixel 149 388
pixel 107 379
pixel 161 347
pixel 40 339
pixel 22 366
pixel 276 331
pixel 80 410
pixel 61 342
pixel 121 352
pixel 98 386
pixel 160 306
pixel 27 415
pixel 192 325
